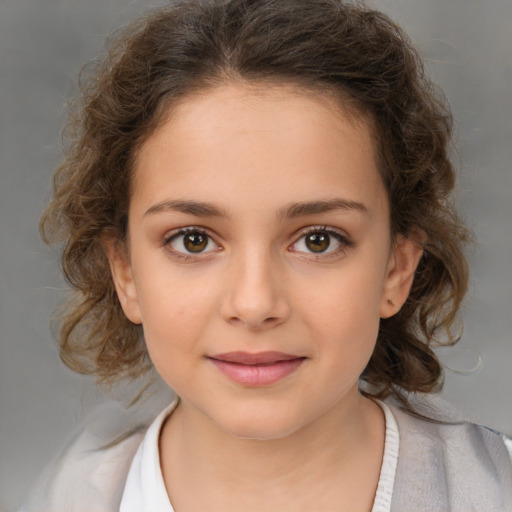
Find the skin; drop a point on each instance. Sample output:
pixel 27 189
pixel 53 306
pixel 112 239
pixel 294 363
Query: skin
pixel 309 441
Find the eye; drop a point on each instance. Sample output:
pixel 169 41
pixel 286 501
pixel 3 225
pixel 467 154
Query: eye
pixel 321 241
pixel 191 241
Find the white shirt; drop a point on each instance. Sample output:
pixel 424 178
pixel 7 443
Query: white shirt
pixel 145 489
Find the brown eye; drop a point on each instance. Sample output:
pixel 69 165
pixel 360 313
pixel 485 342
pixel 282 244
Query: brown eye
pixel 195 242
pixel 191 241
pixel 317 242
pixel 321 241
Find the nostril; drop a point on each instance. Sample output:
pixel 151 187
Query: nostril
pixel 254 324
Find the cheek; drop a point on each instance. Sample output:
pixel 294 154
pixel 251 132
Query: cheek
pixel 350 321
pixel 344 331
pixel 353 286
pixel 175 315
pixel 343 306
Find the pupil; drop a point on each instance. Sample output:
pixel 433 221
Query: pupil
pixel 318 242
pixel 195 242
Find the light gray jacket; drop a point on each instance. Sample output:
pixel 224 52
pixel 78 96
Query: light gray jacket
pixel 441 467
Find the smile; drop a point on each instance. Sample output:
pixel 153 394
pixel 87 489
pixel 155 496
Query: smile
pixel 255 370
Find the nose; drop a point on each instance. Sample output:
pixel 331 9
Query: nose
pixel 255 295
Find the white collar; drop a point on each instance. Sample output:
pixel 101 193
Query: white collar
pixel 145 489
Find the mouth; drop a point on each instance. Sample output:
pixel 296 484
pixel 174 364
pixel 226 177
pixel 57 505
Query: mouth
pixel 258 369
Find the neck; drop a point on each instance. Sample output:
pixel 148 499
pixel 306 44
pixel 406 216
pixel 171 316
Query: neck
pixel 336 454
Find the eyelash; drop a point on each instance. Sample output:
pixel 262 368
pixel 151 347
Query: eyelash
pixel 339 236
pixel 331 232
pixel 181 233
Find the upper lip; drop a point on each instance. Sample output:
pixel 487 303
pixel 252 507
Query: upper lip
pixel 249 358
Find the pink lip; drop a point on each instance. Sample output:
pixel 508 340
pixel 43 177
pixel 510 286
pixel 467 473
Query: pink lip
pixel 259 369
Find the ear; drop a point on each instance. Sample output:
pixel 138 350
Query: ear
pixel 122 275
pixel 402 265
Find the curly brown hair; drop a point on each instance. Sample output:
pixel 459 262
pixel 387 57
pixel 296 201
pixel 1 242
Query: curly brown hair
pixel 321 45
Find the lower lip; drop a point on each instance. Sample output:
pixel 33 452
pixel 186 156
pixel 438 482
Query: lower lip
pixel 258 375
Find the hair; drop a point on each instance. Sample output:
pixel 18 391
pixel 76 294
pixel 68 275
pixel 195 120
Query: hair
pixel 191 46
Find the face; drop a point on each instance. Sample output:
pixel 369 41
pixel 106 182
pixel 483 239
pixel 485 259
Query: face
pixel 260 259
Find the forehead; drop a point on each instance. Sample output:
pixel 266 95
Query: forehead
pixel 239 142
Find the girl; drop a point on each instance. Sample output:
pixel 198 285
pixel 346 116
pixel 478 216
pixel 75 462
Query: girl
pixel 257 205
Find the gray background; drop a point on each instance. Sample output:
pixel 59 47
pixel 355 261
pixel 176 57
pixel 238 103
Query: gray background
pixel 43 43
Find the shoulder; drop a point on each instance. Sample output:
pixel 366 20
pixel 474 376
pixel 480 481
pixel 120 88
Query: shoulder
pixel 90 471
pixel 451 464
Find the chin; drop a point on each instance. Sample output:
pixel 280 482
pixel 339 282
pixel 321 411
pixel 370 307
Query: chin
pixel 266 426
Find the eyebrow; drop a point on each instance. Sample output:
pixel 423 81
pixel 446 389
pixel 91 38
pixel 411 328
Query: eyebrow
pixel 290 211
pixel 196 208
pixel 303 209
